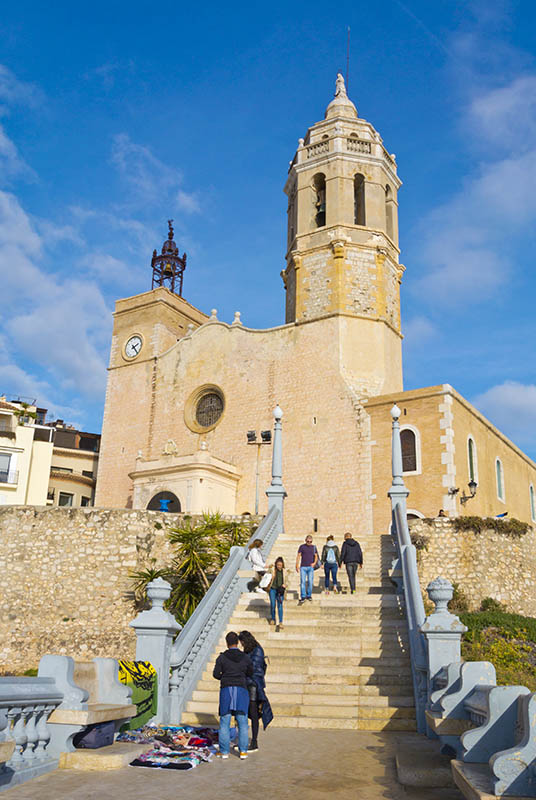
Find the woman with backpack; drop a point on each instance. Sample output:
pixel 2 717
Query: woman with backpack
pixel 331 559
pixel 259 705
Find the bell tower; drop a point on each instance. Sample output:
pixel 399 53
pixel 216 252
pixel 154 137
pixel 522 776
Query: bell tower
pixel 342 238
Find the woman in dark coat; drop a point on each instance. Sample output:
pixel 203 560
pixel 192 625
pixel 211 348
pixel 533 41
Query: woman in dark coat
pixel 259 705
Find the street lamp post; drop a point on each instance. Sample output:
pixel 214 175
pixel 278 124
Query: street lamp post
pixel 266 438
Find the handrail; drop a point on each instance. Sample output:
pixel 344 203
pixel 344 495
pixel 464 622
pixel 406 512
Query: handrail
pixel 195 643
pixel 407 557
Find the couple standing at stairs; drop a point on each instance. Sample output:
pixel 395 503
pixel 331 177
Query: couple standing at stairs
pixel 307 561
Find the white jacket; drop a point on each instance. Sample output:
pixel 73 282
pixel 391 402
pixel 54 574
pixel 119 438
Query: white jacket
pixel 257 561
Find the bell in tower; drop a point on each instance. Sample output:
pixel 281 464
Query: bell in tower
pixel 169 266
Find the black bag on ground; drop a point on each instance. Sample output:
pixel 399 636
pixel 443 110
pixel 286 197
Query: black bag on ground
pixel 99 735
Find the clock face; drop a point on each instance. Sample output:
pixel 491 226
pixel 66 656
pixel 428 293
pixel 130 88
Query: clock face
pixel 133 346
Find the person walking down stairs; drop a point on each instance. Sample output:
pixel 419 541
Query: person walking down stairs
pixel 258 564
pixel 306 562
pixel 259 705
pixel 352 557
pixel 331 559
pixel 232 669
pixel 276 591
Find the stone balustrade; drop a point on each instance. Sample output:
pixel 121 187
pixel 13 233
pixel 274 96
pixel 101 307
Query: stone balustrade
pixel 318 149
pixel 25 708
pixel 354 145
pixel 490 729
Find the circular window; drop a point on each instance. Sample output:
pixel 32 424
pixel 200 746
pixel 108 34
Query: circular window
pixel 204 408
pixel 209 409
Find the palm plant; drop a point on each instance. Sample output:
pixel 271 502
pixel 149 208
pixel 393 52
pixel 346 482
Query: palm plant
pixel 201 548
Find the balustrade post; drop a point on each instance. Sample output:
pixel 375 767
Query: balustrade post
pixel 155 631
pixel 442 631
pixel 276 491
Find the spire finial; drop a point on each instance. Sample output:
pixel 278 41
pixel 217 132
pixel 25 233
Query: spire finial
pixel 340 88
pixel 170 234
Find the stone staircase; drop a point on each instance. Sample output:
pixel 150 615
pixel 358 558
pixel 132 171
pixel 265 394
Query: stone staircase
pixel 341 660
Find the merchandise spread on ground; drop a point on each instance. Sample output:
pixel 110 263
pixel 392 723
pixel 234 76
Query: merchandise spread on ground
pixel 172 747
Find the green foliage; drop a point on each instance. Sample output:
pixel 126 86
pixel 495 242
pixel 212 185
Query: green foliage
pixel 507 640
pixel 200 549
pixel 23 414
pixel 506 527
pixel 30 673
pixel 459 603
pixel 490 604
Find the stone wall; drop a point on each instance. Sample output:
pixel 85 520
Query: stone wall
pixel 64 585
pixel 486 564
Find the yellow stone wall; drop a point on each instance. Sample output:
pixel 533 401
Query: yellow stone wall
pixel 444 420
pixel 326 458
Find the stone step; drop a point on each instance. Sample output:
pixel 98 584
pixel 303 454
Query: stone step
pixel 391 692
pixel 210 720
pixel 332 710
pixel 316 698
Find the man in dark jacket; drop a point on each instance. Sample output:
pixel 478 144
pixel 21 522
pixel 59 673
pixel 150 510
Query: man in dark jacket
pixel 232 668
pixel 352 557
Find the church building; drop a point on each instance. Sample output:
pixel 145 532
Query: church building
pixel 190 398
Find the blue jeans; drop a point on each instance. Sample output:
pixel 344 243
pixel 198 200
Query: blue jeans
pixel 330 567
pixel 224 737
pixel 276 598
pixel 306 582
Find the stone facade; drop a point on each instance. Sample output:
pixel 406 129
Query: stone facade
pixel 443 422
pixel 486 564
pixel 64 583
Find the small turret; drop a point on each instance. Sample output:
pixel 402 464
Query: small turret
pixel 168 267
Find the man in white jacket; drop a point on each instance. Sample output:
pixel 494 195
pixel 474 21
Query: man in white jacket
pixel 259 565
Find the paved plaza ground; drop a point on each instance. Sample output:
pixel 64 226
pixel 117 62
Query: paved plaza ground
pixel 297 764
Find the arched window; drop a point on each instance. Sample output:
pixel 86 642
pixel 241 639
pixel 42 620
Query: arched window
pixel 408 441
pixel 471 459
pixel 389 227
pixel 319 199
pixel 532 503
pixel 500 479
pixel 359 199
pixel 164 501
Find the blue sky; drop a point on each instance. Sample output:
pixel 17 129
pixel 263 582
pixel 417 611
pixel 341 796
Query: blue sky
pixel 116 116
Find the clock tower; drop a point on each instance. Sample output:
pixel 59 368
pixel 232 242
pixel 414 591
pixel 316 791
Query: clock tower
pixel 145 326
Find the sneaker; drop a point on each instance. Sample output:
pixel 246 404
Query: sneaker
pixel 222 755
pixel 310 599
pixel 253 747
pixel 243 756
pixel 301 602
pixel 271 622
pixel 326 591
pixel 281 627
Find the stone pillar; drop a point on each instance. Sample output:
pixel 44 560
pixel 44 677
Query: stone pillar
pixel 442 631
pixel 155 631
pixel 276 492
pixel 398 492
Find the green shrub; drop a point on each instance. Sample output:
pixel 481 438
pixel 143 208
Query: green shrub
pixel 506 527
pixel 507 640
pixel 459 603
pixel 490 604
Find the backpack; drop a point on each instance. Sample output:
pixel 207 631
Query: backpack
pixel 330 559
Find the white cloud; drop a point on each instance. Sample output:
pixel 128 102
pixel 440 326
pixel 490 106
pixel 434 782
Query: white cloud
pixel 106 267
pixel 511 407
pixel 63 326
pixel 467 243
pixel 149 177
pixel 418 332
pixel 16 92
pixel 188 202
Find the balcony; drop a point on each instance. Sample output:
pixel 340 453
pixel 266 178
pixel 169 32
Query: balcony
pixel 11 476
